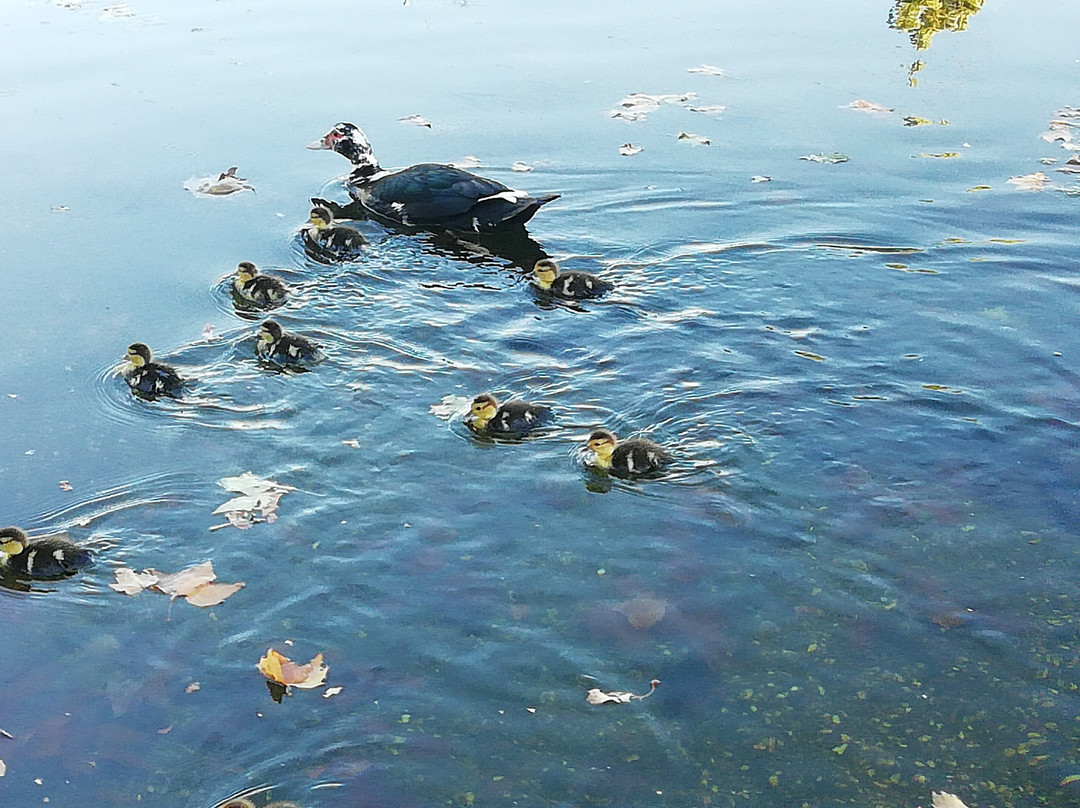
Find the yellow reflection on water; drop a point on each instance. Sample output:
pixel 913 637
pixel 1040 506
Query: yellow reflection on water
pixel 921 19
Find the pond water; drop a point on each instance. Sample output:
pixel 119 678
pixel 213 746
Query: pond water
pixel 857 583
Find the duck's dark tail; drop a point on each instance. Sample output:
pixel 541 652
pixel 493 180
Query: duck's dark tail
pixel 528 209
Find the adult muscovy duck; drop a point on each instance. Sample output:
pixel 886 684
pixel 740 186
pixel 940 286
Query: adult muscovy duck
pixel 430 196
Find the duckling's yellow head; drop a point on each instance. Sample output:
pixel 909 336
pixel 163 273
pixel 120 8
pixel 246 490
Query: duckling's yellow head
pixel 602 443
pixel 269 332
pixel 138 354
pixel 245 271
pixel 320 217
pixel 483 409
pixel 545 272
pixel 12 541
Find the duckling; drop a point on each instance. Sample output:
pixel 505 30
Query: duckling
pixel 253 288
pixel 568 285
pixel 325 239
pixel 147 378
pixel 281 348
pixel 47 557
pixel 633 457
pixel 512 418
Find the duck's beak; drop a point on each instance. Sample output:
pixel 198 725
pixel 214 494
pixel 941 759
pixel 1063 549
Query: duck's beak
pixel 321 144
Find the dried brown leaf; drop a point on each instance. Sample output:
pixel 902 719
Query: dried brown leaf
pixel 185 582
pixel 130 582
pixel 598 696
pixel 213 593
pixel 281 669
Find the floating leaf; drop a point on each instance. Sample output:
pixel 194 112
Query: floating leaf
pixel 65 486
pixel 979 188
pixel 520 166
pixel 629 150
pixel 332 691
pixel 808 355
pixel 637 105
pixel 256 496
pixel 835 157
pixel 130 582
pixel 183 583
pixel 193 687
pixel 1067 781
pixel 704 141
pixel 1029 182
pixel 706 70
pixel 3 768
pixel 450 407
pixel 598 696
pixel 915 120
pixel 284 671
pixel 760 178
pixel 213 593
pixel 352 443
pixel 868 106
pixel 943 799
pixel 419 120
pixel 949 155
pixel 224 184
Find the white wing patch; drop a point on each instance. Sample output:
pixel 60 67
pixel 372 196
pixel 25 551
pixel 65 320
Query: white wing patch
pixel 507 196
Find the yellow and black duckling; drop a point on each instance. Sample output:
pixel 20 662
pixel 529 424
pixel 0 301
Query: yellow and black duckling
pixel 570 285
pixel 252 288
pixel 47 557
pixel 325 239
pixel 488 416
pixel 147 378
pixel 633 457
pixel 281 348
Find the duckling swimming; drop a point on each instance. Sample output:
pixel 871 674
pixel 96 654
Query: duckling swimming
pixel 147 378
pixel 571 285
pixel 253 288
pixel 281 348
pixel 47 557
pixel 512 418
pixel 633 457
pixel 324 239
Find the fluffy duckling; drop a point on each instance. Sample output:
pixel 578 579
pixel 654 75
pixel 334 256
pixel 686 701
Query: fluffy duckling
pixel 255 289
pixel 568 285
pixel 281 348
pixel 512 418
pixel 147 378
pixel 633 457
pixel 324 238
pixel 47 557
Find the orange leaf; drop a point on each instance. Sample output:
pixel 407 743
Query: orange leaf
pixel 281 669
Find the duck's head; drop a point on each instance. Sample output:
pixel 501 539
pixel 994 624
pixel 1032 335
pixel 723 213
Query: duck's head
pixel 138 354
pixel 13 541
pixel 545 272
pixel 320 218
pixel 269 332
pixel 245 271
pixel 350 142
pixel 483 409
pixel 602 443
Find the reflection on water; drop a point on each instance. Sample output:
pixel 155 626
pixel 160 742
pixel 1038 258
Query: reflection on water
pixel 921 19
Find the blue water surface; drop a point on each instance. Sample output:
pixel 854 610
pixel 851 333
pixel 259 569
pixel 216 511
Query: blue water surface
pixel 857 583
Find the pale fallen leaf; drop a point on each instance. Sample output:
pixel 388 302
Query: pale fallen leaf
pixel 643 612
pixel 65 486
pixel 165 730
pixel 183 583
pixel 716 110
pixel 943 799
pixel 699 139
pixel 352 442
pixel 835 157
pixel 868 106
pixel 915 120
pixel 3 768
pixel 284 671
pixel 450 406
pixel 1029 182
pixel 520 166
pixel 193 687
pixel 949 155
pixel 212 594
pixel 332 691
pixel 637 105
pixel 419 120
pixel 707 70
pixel 130 582
pixel 629 149
pixel 760 178
pixel 224 184
pixel 598 696
pixel 255 495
